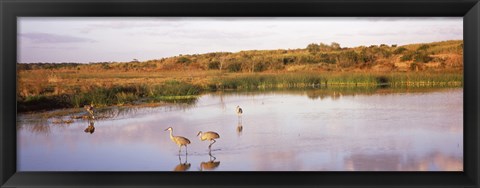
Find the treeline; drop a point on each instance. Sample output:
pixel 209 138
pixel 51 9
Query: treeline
pixel 319 56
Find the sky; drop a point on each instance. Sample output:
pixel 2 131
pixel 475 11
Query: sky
pixel 120 39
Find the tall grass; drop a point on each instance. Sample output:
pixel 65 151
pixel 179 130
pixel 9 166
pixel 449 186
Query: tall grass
pixel 258 81
pixel 169 91
pixel 186 92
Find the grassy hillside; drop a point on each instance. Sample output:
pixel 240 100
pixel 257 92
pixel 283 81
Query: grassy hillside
pixel 315 57
pixel 49 86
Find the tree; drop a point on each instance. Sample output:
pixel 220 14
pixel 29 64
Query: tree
pixel 324 47
pixel 313 48
pixel 335 46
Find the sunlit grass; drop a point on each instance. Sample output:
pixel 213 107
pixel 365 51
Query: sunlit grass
pixel 43 90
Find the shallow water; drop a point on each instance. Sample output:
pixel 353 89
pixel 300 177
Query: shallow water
pixel 309 130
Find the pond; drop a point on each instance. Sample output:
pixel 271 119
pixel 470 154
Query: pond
pixel 282 130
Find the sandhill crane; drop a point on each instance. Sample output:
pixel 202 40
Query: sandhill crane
pixel 210 135
pixel 89 109
pixel 179 140
pixel 239 112
pixel 209 165
pixel 182 166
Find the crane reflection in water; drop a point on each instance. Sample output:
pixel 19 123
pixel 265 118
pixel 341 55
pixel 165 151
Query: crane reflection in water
pixel 239 128
pixel 91 127
pixel 211 164
pixel 182 166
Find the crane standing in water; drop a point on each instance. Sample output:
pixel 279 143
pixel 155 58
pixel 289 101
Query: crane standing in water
pixel 210 135
pixel 90 109
pixel 179 140
pixel 239 113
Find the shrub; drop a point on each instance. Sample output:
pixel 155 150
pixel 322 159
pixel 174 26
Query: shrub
pixel 348 58
pixel 422 57
pixel 259 67
pixel 313 48
pixel 288 60
pixel 234 67
pixel 327 58
pixel 214 65
pixel 399 50
pixel 184 60
pixel 407 57
pixel 423 47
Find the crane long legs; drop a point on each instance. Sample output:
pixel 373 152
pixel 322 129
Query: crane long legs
pixel 209 146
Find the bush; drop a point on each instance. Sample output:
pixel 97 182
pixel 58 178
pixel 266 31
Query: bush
pixel 313 48
pixel 326 58
pixel 422 57
pixel 288 60
pixel 407 57
pixel 184 60
pixel 234 67
pixel 399 50
pixel 348 58
pixel 259 67
pixel 214 65
pixel 423 47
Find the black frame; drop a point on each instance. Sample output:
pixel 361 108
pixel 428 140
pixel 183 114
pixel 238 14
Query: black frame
pixel 468 9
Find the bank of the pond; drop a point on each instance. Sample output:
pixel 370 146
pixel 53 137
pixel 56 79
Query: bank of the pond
pixel 173 91
pixel 255 81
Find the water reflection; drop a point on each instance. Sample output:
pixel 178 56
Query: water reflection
pixel 182 166
pixel 40 129
pixel 211 164
pixel 396 162
pixel 304 130
pixel 91 128
pixel 332 92
pixel 239 128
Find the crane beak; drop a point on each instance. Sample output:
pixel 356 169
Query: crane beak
pixel 166 130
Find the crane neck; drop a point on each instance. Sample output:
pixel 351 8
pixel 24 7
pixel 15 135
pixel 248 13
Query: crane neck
pixel 171 134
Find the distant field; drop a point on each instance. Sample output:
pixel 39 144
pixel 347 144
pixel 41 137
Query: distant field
pixel 44 86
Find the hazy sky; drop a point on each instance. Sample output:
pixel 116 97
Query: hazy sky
pixel 84 40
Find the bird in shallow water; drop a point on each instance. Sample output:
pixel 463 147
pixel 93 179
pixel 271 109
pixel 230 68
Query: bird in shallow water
pixel 209 135
pixel 179 140
pixel 90 110
pixel 239 112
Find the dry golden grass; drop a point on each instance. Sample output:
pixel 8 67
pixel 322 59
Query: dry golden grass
pixel 55 86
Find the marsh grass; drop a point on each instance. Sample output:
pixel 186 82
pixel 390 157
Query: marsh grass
pixel 259 81
pixel 74 92
pixel 169 91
